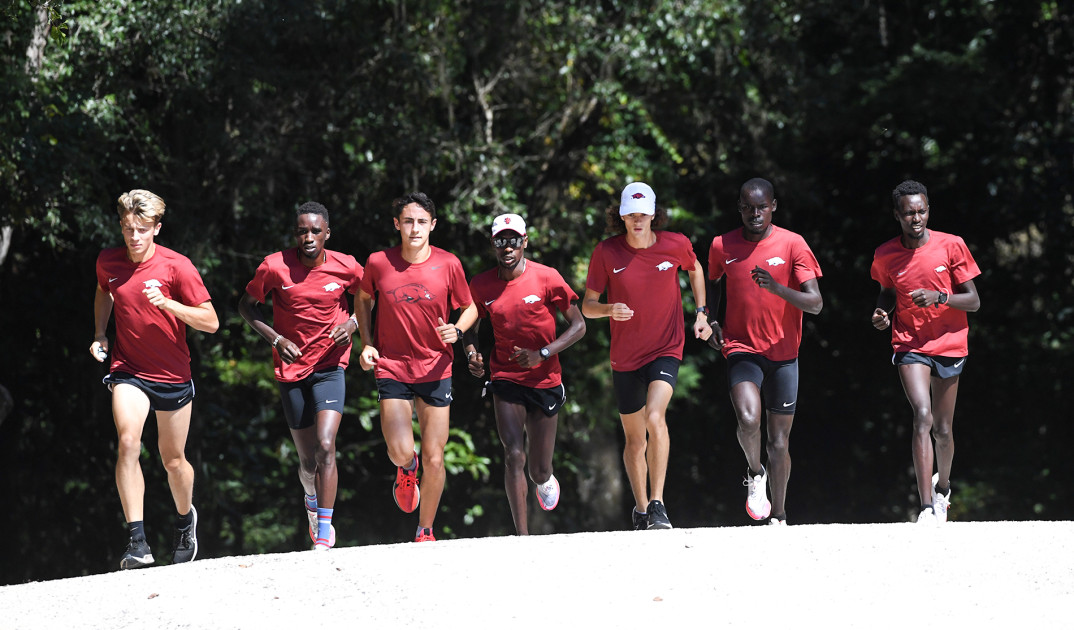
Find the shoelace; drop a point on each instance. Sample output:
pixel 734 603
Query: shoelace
pixel 409 479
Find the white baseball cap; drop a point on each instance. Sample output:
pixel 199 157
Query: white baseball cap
pixel 511 222
pixel 637 197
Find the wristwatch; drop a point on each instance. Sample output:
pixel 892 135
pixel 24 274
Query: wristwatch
pixel 544 354
pixel 940 299
pixel 703 309
pixel 458 333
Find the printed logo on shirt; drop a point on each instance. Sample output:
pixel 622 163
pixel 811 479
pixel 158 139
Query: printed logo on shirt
pixel 489 302
pixel 153 284
pixel 410 293
pixel 941 269
pixel 332 286
pixel 664 266
pixel 111 280
pixel 618 270
pixel 531 299
pixel 901 272
pixel 776 260
pixel 728 262
pixel 290 286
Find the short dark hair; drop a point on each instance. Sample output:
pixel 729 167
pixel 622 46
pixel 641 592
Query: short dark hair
pixel 419 198
pixel 615 224
pixel 761 184
pixel 312 207
pixel 907 188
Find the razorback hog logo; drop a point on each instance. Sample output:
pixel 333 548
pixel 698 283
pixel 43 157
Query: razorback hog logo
pixel 664 266
pixel 531 299
pixel 411 293
pixel 638 196
pixel 776 260
pixel 332 286
pixel 152 284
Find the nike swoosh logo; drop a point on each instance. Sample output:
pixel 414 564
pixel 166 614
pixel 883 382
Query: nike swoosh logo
pixel 664 373
pixel 959 363
pixel 182 401
pixel 788 404
pixel 901 272
pixel 111 280
pixel 329 402
pixel 435 268
pixel 489 302
pixel 728 262
pixel 551 407
pixel 287 287
pixel 618 270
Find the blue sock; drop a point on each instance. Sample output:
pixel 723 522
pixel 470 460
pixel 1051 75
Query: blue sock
pixel 413 464
pixel 311 502
pixel 324 524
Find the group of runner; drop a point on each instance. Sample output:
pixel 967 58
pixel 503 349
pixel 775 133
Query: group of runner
pixel 424 306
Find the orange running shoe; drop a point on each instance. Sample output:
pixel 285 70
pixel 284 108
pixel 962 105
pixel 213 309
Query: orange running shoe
pixel 425 534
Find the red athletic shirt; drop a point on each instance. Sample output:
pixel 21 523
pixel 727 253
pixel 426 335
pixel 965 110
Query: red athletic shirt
pixel 941 264
pixel 523 313
pixel 647 281
pixel 150 343
pixel 755 320
pixel 410 299
pixel 307 303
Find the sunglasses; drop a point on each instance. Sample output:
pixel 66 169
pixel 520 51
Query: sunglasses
pixel 514 242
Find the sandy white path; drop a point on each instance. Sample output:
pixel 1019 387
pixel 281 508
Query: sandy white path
pixel 965 575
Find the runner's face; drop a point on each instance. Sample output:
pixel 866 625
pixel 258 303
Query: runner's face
pixel 638 224
pixel 414 224
pixel 138 235
pixel 311 232
pixel 509 256
pixel 913 216
pixel 756 208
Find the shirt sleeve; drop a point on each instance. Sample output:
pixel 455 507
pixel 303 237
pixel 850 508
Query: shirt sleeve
pixel 357 273
pixel 259 288
pixel 191 288
pixel 559 292
pixel 597 277
pixel 716 267
pixel 806 266
pixel 963 266
pixel 460 291
pixel 878 271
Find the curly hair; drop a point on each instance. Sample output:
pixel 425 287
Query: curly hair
pixel 907 188
pixel 312 207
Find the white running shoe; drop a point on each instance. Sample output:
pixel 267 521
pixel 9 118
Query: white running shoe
pixel 927 518
pixel 311 516
pixel 548 494
pixel 779 522
pixel 940 502
pixel 757 504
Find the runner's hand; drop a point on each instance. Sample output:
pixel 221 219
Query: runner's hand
pixel 702 329
pixel 621 312
pixel 525 358
pixel 288 351
pixel 368 358
pixel 447 332
pixel 341 335
pixel 716 340
pixel 99 349
pixel 476 363
pixel 880 319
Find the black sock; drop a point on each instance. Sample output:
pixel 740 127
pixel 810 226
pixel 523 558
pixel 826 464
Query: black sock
pixel 137 530
pixel 943 491
pixel 186 520
pixel 926 507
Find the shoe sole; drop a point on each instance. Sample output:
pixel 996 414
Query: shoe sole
pixel 659 526
pixel 134 562
pixel 759 516
pixel 417 499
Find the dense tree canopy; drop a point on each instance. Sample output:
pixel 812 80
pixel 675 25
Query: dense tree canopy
pixel 237 112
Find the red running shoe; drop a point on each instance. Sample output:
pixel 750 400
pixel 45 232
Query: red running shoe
pixel 425 534
pixel 405 490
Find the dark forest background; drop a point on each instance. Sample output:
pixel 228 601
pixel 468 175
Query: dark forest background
pixel 237 112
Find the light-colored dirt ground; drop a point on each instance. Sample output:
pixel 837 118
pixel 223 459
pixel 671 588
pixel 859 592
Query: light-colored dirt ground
pixel 963 575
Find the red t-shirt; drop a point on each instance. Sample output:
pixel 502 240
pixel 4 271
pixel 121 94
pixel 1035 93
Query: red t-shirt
pixel 410 299
pixel 522 313
pixel 307 303
pixel 755 320
pixel 941 264
pixel 150 343
pixel 646 280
